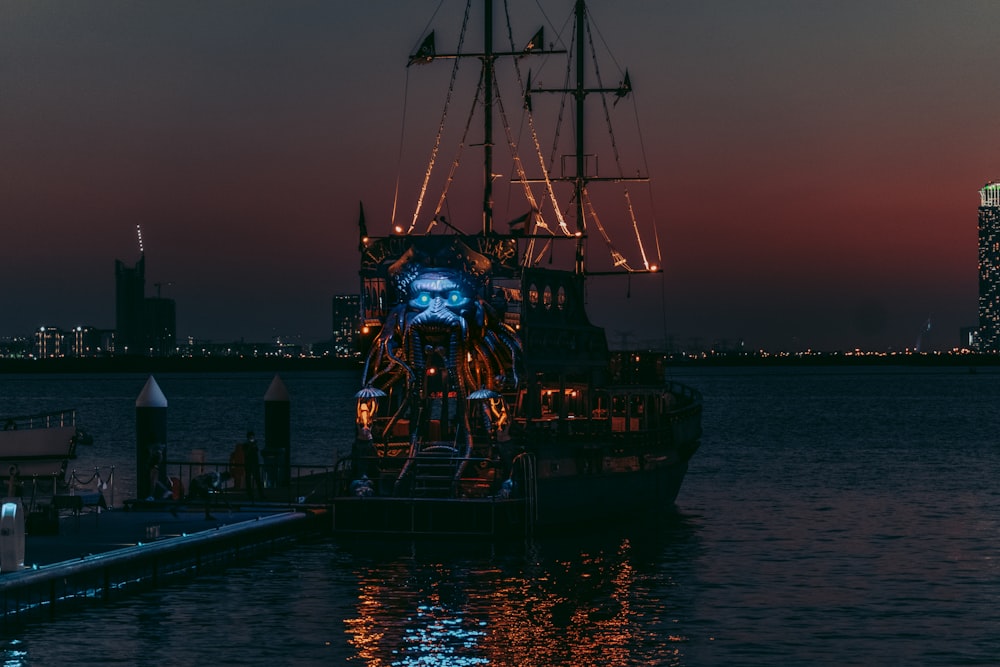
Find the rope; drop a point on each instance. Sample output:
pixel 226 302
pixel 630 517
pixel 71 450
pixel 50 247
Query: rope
pixel 399 158
pixel 402 129
pixel 616 256
pixel 444 116
pixel 549 190
pixel 84 482
pixel 518 165
pixel 458 156
pixel 76 482
pixel 616 153
pixel 645 167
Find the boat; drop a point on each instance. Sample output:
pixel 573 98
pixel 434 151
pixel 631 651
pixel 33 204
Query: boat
pixel 489 403
pixel 35 449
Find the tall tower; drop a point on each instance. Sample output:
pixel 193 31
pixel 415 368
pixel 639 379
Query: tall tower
pixel 130 288
pixel 989 267
pixel 346 323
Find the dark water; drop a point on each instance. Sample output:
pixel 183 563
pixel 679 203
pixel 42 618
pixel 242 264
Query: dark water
pixel 832 517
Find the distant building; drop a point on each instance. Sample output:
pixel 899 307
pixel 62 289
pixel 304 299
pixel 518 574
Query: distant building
pixel 130 291
pixel 49 343
pixel 989 268
pixel 87 342
pixel 146 326
pixel 16 347
pixel 160 326
pixel 346 323
pixel 52 342
pixel 967 338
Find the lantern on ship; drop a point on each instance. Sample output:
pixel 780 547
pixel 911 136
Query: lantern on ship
pixel 368 405
pixel 488 403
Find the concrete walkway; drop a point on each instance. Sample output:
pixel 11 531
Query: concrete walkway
pixel 93 533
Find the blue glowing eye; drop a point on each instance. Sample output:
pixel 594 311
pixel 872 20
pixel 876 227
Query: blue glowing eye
pixel 423 299
pixel 456 298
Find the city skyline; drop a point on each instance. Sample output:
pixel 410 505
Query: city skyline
pixel 816 167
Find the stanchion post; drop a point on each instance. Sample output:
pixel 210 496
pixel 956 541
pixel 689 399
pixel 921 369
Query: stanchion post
pixel 277 452
pixel 150 434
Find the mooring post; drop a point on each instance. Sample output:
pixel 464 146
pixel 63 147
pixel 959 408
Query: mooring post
pixel 277 452
pixel 150 437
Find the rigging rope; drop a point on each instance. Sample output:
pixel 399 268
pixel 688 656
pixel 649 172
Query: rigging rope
pixel 458 156
pixel 615 152
pixel 402 129
pixel 444 115
pixel 399 158
pixel 617 257
pixel 645 167
pixel 549 190
pixel 562 104
pixel 538 221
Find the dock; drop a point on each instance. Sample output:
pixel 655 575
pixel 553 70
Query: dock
pixel 101 556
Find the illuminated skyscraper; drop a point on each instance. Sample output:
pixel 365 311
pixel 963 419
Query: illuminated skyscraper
pixel 989 268
pixel 346 322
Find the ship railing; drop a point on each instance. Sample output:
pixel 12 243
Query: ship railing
pixel 51 419
pixel 294 484
pixel 686 392
pixel 384 475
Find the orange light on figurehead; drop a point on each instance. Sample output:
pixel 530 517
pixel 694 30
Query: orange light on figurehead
pixel 368 405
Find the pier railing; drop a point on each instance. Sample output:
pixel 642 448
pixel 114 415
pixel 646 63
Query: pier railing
pixel 49 419
pixel 302 484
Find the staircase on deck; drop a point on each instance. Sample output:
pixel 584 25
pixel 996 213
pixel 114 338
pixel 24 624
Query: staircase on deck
pixel 434 469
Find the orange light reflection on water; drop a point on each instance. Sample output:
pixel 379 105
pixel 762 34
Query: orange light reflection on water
pixel 575 609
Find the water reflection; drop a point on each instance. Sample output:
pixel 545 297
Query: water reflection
pixel 600 599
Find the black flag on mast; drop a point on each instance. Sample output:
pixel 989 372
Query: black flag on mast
pixel 624 88
pixel 426 52
pixel 536 42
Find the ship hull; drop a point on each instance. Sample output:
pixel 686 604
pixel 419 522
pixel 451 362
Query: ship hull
pixel 561 502
pixel 548 490
pixel 609 496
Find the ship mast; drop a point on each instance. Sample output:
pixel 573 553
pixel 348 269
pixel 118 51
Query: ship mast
pixel 427 53
pixel 488 58
pixel 579 92
pixel 580 95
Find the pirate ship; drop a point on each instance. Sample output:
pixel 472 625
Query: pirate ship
pixel 489 401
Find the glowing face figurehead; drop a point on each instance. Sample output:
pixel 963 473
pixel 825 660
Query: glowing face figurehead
pixel 438 299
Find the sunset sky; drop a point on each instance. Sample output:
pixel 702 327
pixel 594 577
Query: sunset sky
pixel 815 165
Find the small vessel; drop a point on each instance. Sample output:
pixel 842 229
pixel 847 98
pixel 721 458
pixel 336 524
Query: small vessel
pixel 489 402
pixel 37 448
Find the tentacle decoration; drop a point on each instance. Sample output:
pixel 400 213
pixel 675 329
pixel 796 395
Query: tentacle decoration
pixel 442 341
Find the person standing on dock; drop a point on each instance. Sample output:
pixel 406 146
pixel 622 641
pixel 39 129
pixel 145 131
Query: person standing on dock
pixel 159 489
pixel 251 463
pixel 237 467
pixel 205 486
pixel 14 482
